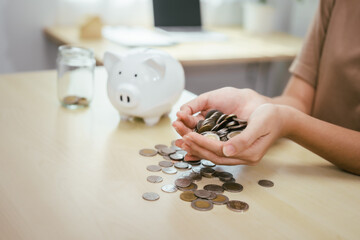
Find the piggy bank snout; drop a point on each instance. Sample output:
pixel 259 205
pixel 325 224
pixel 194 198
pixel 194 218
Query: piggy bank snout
pixel 128 96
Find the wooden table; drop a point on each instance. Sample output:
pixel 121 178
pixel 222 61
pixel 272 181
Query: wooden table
pixel 241 47
pixel 68 174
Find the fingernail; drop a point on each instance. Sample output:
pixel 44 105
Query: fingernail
pixel 229 150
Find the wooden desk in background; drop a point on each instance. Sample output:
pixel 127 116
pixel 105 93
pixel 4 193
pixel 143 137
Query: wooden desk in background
pixel 78 175
pixel 241 47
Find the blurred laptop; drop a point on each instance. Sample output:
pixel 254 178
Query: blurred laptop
pixel 177 15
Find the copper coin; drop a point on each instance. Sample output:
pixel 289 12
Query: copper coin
pixel 214 188
pixel 212 196
pixel 220 199
pixel 191 187
pixel 169 170
pixel 183 182
pixel 227 179
pixel 70 100
pixel 232 187
pixel 148 152
pixel 202 205
pixel 188 196
pixel 169 188
pixel 207 163
pixel 210 112
pixel 181 165
pixel 176 156
pixel 153 168
pixel 150 196
pixel 266 183
pixel 237 206
pixel 225 175
pixel 154 179
pixel 202 193
pixel 207 172
pixel 166 164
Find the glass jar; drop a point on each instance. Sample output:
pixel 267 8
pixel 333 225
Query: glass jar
pixel 75 76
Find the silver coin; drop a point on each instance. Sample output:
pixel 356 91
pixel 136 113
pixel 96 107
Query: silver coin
pixel 169 170
pixel 183 182
pixel 153 168
pixel 211 135
pixel 166 157
pixel 166 151
pixel 182 152
pixel 146 152
pixel 212 196
pixel 181 165
pixel 166 164
pixel 196 169
pixel 176 156
pixel 176 148
pixel 160 146
pixel 169 188
pixel 150 196
pixel 202 193
pixel 191 187
pixel 154 179
pixel 214 188
pixel 194 163
pixel 207 163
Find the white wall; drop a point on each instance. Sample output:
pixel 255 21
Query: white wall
pixel 23 46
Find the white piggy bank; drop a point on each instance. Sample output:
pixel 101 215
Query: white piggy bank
pixel 143 83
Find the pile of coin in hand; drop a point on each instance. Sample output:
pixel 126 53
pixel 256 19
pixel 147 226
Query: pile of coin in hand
pixel 220 126
pixel 191 172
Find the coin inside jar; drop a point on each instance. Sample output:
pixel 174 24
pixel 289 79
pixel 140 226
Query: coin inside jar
pixel 150 196
pixel 266 183
pixel 148 152
pixel 202 205
pixel 237 206
pixel 69 100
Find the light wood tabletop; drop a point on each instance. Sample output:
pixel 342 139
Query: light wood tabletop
pixel 240 46
pixel 77 174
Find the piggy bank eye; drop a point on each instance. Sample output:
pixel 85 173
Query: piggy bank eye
pixel 120 73
pixel 135 75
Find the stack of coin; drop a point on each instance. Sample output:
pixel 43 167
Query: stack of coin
pixel 220 126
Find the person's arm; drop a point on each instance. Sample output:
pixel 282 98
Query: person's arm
pixel 338 145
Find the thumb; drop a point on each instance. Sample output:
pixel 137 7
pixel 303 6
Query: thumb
pixel 244 140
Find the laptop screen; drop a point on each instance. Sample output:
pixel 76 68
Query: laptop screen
pixel 177 13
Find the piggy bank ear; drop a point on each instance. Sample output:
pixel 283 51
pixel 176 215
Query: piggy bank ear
pixel 157 64
pixel 109 60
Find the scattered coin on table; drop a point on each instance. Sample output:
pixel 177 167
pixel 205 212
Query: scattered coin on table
pixel 202 205
pixel 237 206
pixel 169 188
pixel 154 179
pixel 169 170
pixel 151 196
pixel 148 152
pixel 166 164
pixel 266 183
pixel 188 196
pixel 153 168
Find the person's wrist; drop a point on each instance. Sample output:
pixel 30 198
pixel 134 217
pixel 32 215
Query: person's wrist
pixel 287 120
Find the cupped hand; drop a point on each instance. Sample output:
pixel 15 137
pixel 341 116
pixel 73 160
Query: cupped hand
pixel 241 102
pixel 267 123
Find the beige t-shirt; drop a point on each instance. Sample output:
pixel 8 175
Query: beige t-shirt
pixel 330 62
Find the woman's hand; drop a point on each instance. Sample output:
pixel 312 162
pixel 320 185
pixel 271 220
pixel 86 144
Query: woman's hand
pixel 241 102
pixel 266 123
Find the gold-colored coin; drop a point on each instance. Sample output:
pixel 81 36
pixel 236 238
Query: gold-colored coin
pixel 220 199
pixel 202 205
pixel 148 152
pixel 70 100
pixel 188 196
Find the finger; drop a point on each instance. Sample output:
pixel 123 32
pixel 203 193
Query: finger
pixel 196 150
pixel 191 158
pixel 181 128
pixel 245 139
pixel 206 143
pixel 196 105
pixel 189 120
